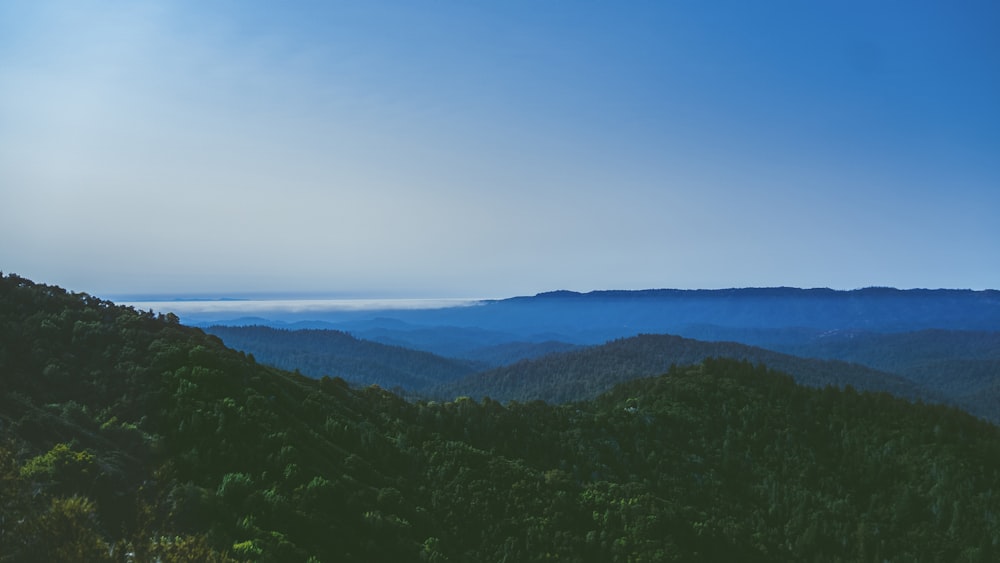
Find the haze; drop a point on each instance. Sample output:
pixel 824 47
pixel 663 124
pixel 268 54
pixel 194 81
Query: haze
pixel 493 149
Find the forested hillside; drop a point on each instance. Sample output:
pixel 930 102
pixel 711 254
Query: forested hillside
pixel 962 365
pixel 383 357
pixel 584 373
pixel 513 352
pixel 129 437
pixel 333 353
pixel 490 348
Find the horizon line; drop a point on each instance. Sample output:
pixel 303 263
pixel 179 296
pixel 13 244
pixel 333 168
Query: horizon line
pixel 271 296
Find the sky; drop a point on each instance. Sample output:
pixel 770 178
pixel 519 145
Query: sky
pixel 489 149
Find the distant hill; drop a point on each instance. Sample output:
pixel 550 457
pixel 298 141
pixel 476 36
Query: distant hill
pixel 961 365
pixel 936 366
pixel 666 310
pixel 927 356
pixel 583 374
pixel 512 352
pixel 450 341
pixel 319 353
pixel 758 316
pixel 482 348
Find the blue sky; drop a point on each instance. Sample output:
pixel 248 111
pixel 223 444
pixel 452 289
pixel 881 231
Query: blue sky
pixel 498 148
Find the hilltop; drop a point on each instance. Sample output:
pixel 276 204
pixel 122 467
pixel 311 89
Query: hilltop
pixel 583 374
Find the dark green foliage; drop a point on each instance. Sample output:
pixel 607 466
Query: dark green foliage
pixel 216 457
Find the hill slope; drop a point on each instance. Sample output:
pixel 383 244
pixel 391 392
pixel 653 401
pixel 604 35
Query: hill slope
pixel 128 433
pixel 583 374
pixel 330 352
pixel 951 361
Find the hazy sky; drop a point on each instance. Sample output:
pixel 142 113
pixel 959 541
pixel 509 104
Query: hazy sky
pixel 470 148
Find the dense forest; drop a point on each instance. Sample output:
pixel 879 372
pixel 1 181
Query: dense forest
pixel 127 436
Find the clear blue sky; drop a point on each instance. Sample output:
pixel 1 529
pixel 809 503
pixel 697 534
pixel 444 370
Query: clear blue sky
pixel 458 148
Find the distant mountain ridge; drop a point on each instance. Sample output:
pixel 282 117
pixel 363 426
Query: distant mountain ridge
pixel 876 309
pixel 618 312
pixel 771 291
